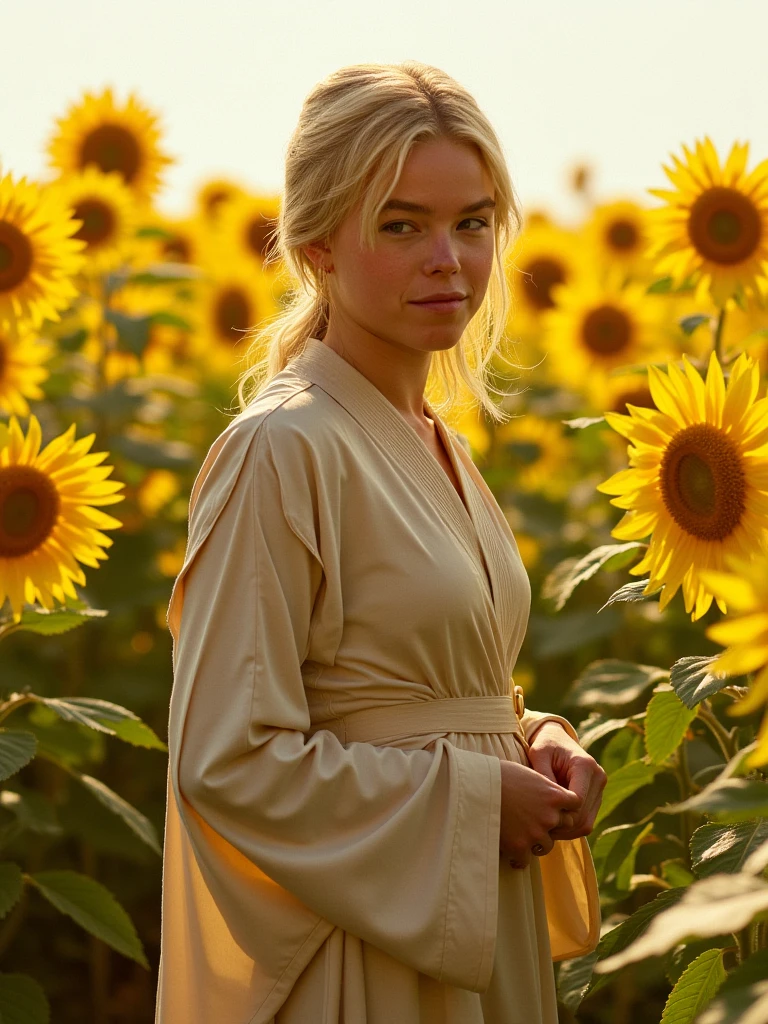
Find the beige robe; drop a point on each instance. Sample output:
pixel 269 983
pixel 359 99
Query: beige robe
pixel 308 875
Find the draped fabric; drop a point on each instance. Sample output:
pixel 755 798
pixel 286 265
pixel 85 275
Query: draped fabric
pixel 332 568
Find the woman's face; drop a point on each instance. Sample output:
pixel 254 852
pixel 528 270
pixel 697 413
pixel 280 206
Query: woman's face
pixel 446 247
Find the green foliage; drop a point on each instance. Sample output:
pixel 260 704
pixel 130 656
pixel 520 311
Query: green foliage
pixel 725 848
pixel 695 989
pixel 666 723
pixel 22 1001
pixel 93 907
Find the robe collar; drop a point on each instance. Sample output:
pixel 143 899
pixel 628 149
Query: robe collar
pixel 362 399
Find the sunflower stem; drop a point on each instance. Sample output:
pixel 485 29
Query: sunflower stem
pixel 725 738
pixel 718 339
pixel 686 789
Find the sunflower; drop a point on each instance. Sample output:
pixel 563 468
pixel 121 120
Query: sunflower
pixel 107 209
pixel 213 194
pixel 48 522
pixel 114 138
pixel 246 226
pixel 22 371
pixel 228 305
pixel 174 239
pixel 38 256
pixel 714 228
pixel 698 476
pixel 745 589
pixel 538 453
pixel 617 233
pixel 543 256
pixel 598 326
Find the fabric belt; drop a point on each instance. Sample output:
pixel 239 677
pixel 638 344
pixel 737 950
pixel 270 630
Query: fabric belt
pixel 389 722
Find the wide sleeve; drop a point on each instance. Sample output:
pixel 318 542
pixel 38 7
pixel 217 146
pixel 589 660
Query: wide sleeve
pixel 400 848
pixel 532 720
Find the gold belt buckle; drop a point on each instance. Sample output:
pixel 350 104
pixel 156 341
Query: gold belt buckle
pixel 519 700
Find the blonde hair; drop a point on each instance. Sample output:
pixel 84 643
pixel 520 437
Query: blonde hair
pixel 353 136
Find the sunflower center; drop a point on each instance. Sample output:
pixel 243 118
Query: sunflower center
pixel 539 277
pixel 215 199
pixel 177 250
pixel 724 225
pixel 113 148
pixel 622 235
pixel 15 256
pixel 526 452
pixel 702 482
pixel 606 330
pixel 258 236
pixel 640 396
pixel 232 314
pixel 29 508
pixel 98 222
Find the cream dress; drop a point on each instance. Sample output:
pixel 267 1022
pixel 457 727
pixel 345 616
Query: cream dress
pixel 342 696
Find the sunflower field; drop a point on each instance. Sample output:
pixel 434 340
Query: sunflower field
pixel 640 342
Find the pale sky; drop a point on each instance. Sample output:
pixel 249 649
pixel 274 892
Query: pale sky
pixel 619 84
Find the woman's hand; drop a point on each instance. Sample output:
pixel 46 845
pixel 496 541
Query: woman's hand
pixel 558 757
pixel 532 808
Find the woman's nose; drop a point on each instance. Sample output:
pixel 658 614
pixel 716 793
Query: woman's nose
pixel 443 255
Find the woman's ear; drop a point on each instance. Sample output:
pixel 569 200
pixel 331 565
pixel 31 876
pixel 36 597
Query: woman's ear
pixel 320 254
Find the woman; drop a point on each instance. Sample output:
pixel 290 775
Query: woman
pixel 364 824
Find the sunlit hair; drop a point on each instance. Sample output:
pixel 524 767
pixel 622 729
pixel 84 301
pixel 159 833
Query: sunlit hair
pixel 351 142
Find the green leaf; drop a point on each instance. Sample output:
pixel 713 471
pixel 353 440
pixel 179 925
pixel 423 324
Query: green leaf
pixel 166 273
pixel 93 907
pixel 595 727
pixel 11 886
pixel 132 330
pixel 660 287
pixel 170 320
pixel 727 800
pixel 620 937
pixel 22 1001
pixel 743 998
pixel 688 324
pixel 675 871
pixel 615 851
pixel 711 906
pixel 692 680
pixel 565 577
pixel 152 231
pixel 570 631
pixel 573 978
pixel 629 592
pixel 696 988
pixel 67 743
pixel 95 713
pixel 58 620
pixel 31 809
pixel 624 746
pixel 17 748
pixel 716 847
pixel 666 723
pixel 623 783
pixel 133 818
pixel 610 684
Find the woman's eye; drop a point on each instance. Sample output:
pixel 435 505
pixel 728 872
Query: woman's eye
pixel 402 223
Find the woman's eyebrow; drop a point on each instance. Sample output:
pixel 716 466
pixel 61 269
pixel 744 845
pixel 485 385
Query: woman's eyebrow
pixel 403 204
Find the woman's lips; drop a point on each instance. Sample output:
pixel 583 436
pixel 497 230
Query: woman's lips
pixel 449 306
